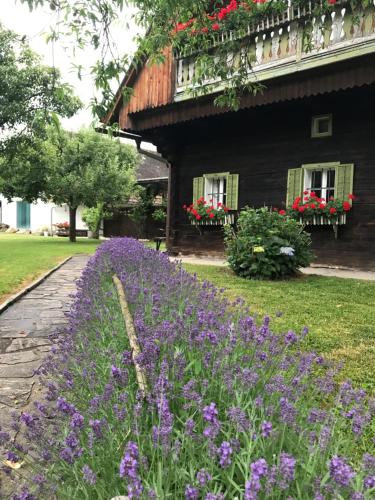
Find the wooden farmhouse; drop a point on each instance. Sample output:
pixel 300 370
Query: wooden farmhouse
pixel 313 127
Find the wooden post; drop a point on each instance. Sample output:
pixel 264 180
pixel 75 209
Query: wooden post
pixel 130 330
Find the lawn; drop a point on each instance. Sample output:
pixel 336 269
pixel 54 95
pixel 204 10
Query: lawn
pixel 340 313
pixel 25 257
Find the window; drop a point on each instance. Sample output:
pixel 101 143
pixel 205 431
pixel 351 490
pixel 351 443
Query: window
pixel 321 181
pixel 321 126
pixel 215 189
pixel 325 179
pixel 219 187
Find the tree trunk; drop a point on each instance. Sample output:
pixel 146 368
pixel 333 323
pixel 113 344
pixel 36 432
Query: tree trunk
pixel 72 224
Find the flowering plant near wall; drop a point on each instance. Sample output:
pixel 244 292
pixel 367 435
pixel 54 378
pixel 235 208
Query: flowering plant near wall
pixel 204 211
pixel 232 408
pixel 62 225
pixel 231 14
pixel 310 205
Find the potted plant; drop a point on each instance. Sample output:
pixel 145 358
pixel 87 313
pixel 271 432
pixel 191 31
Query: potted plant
pixel 62 228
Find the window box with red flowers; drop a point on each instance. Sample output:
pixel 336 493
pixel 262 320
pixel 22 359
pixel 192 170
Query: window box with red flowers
pixel 202 213
pixel 314 211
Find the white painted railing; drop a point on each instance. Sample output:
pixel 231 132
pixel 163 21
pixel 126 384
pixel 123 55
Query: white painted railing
pixel 322 220
pixel 291 41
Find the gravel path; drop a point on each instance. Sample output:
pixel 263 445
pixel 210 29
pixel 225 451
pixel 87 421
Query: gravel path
pixel 24 330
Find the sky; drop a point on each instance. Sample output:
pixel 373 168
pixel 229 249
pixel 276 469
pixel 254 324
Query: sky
pixel 36 25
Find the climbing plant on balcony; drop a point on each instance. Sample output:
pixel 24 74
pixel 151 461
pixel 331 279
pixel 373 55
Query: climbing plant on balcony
pixel 190 26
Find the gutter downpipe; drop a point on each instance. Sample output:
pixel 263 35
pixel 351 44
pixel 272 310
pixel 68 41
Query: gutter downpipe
pixel 138 140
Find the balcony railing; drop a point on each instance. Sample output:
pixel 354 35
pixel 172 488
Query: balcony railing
pixel 292 41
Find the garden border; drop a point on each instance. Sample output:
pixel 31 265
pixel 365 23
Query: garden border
pixel 15 298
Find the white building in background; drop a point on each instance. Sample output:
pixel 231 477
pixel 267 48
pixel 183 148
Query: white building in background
pixel 37 216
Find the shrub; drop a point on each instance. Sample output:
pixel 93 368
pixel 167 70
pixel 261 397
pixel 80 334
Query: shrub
pixel 234 410
pixel 267 245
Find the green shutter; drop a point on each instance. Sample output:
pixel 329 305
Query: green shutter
pixel 344 181
pixel 232 191
pixel 294 188
pixel 198 188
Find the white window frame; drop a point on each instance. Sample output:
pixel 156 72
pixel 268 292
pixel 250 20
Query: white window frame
pixel 208 188
pixel 307 180
pixel 315 121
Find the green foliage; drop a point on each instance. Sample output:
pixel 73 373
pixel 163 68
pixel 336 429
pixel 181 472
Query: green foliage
pixel 32 95
pixel 267 245
pixel 160 214
pixel 143 208
pixel 93 216
pixel 159 19
pixel 83 168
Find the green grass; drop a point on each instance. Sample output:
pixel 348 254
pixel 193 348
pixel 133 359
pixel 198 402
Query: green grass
pixel 25 257
pixel 340 313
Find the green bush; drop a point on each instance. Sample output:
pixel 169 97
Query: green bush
pixel 267 245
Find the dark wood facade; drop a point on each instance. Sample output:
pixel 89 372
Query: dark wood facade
pixel 261 145
pixel 265 139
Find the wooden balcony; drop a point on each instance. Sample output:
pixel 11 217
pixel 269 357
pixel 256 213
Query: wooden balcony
pixel 290 43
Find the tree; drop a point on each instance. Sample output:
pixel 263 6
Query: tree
pixel 188 26
pixel 31 95
pixel 83 168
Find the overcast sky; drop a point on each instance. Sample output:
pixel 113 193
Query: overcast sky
pixel 35 25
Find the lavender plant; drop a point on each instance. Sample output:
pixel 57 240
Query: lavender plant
pixel 233 410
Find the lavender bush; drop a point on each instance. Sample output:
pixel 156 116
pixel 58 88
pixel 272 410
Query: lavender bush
pixel 234 410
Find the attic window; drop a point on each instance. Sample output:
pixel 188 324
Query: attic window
pixel 321 126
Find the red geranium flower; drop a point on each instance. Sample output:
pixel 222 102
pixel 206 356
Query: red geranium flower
pixel 211 215
pixel 346 206
pixel 301 208
pixel 198 217
pixel 351 197
pixel 332 210
pixel 282 212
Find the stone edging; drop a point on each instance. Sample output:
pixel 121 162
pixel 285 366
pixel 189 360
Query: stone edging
pixel 28 288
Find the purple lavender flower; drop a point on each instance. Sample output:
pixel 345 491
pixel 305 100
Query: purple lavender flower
pixel 291 338
pixel 368 462
pixel 259 468
pixel 24 495
pixel 203 477
pixel 340 472
pixel 214 496
pixel 369 482
pixel 287 467
pixel 224 452
pixel 97 427
pixel 65 407
pixel 77 421
pixel 210 413
pixel 191 493
pixel 27 419
pixel 266 429
pixel 252 488
pixel 12 457
pixel 129 462
pixel 129 470
pixel 88 475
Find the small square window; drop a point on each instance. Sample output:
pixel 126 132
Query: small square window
pixel 321 126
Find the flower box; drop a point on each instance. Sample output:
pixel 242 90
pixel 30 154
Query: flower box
pixel 228 219
pixel 322 220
